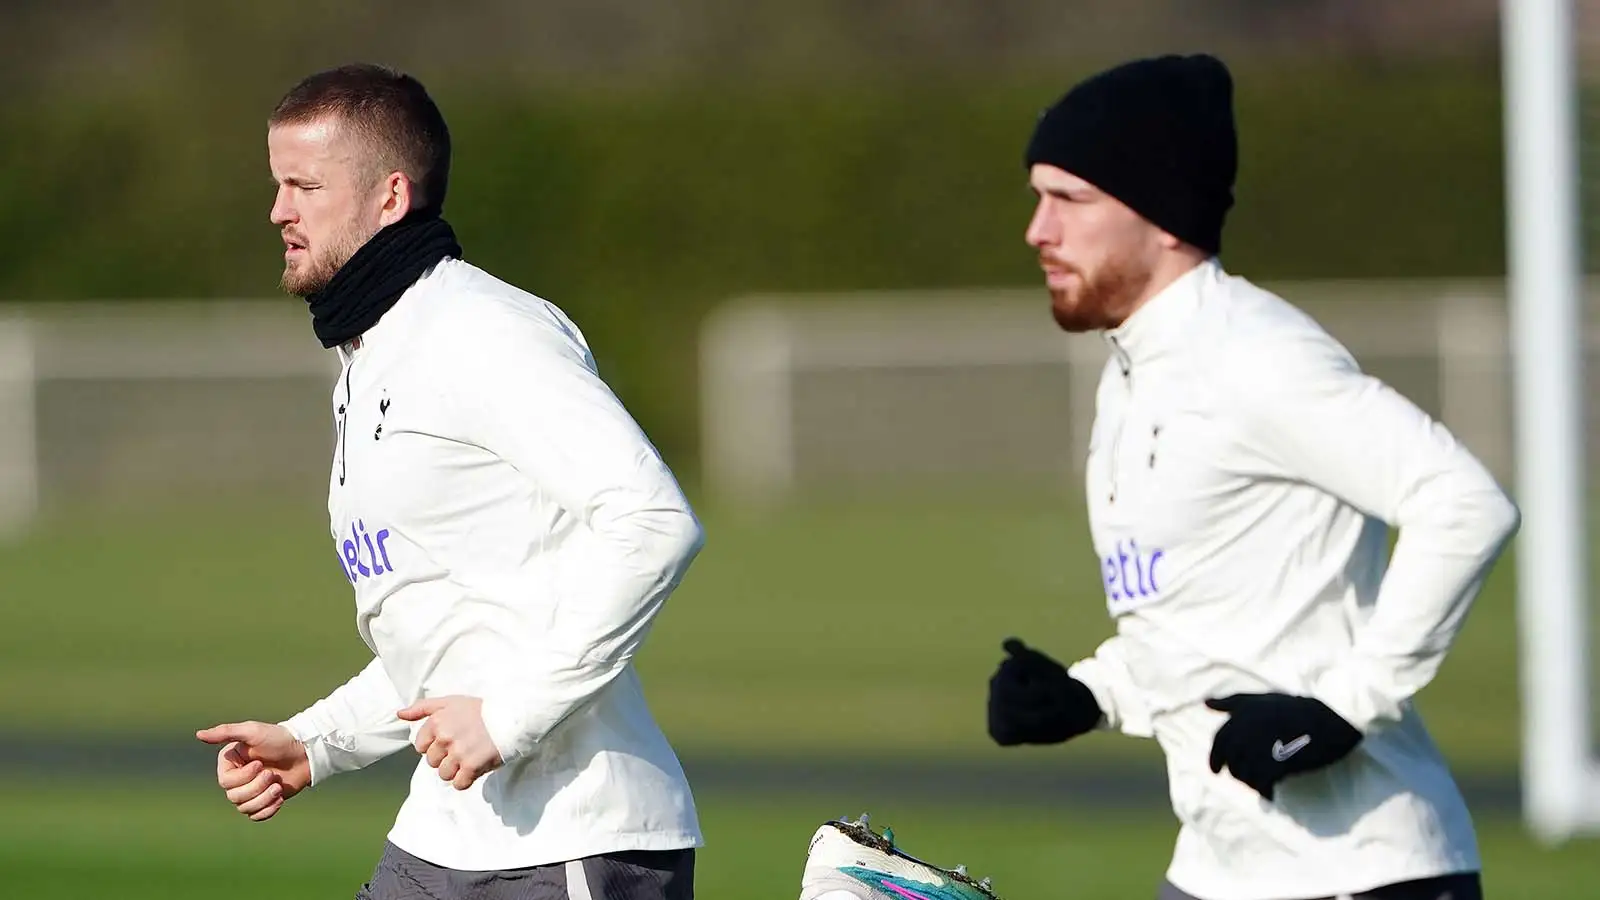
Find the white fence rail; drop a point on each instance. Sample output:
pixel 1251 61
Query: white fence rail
pixel 799 391
pixel 110 400
pixel 113 399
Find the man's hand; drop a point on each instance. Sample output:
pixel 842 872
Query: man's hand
pixel 259 767
pixel 454 738
pixel 1269 737
pixel 1032 700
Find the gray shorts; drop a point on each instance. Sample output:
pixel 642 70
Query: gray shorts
pixel 632 875
pixel 1465 886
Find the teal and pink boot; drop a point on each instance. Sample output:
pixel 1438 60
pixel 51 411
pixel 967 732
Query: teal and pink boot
pixel 849 861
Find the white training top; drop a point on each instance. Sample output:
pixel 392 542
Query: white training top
pixel 510 534
pixel 1241 473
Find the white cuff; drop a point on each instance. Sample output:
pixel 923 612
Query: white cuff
pixel 1347 693
pixel 329 754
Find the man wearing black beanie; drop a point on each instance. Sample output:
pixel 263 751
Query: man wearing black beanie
pixel 1242 476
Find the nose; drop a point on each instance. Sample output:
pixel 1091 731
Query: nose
pixel 1043 230
pixel 283 211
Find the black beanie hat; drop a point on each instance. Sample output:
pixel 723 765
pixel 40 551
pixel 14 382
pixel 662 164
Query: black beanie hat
pixel 1158 135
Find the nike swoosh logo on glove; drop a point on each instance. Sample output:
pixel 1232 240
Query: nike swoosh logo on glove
pixel 1281 751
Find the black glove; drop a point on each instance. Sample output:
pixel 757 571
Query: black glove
pixel 1032 700
pixel 1269 737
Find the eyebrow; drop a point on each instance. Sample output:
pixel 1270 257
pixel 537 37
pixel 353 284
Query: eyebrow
pixel 1063 190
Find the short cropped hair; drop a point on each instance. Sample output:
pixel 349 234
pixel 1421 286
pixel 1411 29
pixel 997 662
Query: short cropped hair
pixel 388 109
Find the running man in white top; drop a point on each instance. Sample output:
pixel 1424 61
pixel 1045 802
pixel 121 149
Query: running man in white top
pixel 507 530
pixel 1243 476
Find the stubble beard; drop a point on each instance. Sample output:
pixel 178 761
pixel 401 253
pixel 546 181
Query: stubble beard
pixel 1102 300
pixel 317 271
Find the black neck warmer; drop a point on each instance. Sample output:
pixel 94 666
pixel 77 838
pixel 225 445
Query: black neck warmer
pixel 370 282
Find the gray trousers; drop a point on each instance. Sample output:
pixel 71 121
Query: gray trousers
pixel 633 875
pixel 1465 886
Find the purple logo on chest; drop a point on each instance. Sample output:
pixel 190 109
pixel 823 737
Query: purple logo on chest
pixel 1132 573
pixel 364 555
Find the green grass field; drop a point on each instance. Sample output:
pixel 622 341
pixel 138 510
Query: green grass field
pixel 874 625
pixel 848 628
pixel 138 840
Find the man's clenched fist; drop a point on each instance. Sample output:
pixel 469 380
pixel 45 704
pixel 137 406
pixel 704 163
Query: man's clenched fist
pixel 1269 737
pixel 1033 700
pixel 454 738
pixel 259 767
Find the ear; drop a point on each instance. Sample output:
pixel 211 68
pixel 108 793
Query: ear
pixel 398 198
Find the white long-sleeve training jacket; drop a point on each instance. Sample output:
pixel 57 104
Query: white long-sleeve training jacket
pixel 510 534
pixel 1242 477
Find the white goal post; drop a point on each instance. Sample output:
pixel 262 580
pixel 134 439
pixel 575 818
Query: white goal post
pixel 799 392
pixel 1561 777
pixel 147 399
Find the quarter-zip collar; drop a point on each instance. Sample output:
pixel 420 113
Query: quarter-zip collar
pixel 1159 325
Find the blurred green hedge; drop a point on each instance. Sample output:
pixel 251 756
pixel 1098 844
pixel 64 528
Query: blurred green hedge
pixel 637 210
